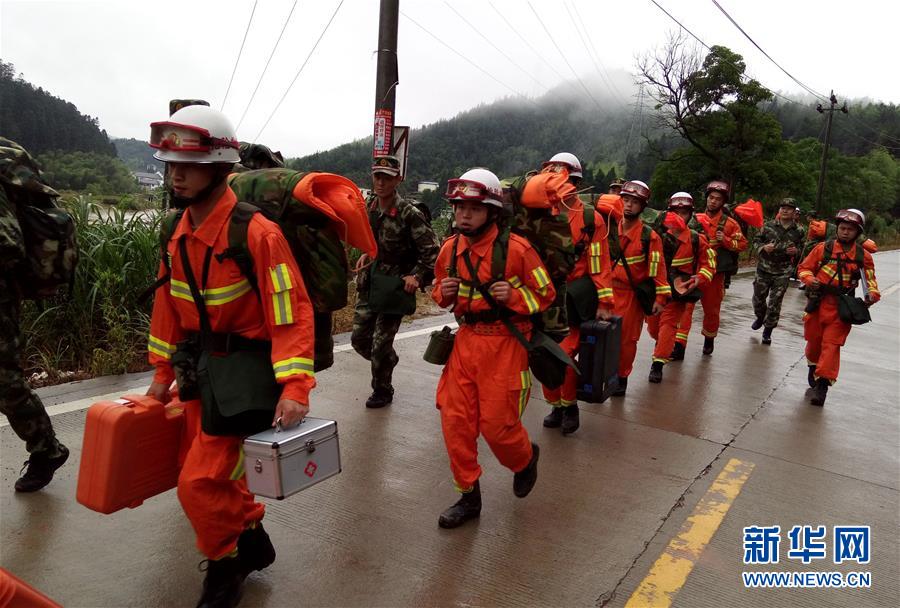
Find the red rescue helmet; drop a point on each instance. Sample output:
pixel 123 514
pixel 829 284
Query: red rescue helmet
pixel 854 216
pixel 681 200
pixel 718 186
pixel 637 189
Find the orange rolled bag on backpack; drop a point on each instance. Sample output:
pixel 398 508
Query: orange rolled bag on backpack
pixel 817 230
pixel 751 212
pixel 547 190
pixel 610 205
pixel 870 246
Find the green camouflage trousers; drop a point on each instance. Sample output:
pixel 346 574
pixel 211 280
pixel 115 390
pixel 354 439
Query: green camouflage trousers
pixel 21 406
pixel 373 338
pixel 771 287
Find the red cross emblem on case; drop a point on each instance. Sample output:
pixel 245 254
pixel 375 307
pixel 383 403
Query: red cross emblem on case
pixel 310 469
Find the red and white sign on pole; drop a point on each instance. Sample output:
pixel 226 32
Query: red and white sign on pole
pixel 384 124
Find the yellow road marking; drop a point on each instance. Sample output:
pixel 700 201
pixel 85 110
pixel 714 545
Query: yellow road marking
pixel 671 570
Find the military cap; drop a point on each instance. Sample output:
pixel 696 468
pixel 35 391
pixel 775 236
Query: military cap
pixel 788 202
pixel 617 182
pixel 386 164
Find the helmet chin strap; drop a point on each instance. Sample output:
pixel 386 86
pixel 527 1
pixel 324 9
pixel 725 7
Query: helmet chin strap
pixel 183 202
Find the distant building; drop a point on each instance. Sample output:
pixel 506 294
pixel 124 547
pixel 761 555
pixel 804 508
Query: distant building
pixel 147 180
pixel 428 186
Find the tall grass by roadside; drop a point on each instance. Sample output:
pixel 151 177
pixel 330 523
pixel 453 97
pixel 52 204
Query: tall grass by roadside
pixel 100 329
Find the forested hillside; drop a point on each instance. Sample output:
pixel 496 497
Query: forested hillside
pixel 42 122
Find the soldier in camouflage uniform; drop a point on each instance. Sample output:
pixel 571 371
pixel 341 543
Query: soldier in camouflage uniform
pixel 407 248
pixel 778 246
pixel 19 179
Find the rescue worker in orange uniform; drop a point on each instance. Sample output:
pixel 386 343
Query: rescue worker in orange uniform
pixel 593 262
pixel 725 237
pixel 270 312
pixel 486 382
pixel 690 263
pixel 832 268
pixel 640 265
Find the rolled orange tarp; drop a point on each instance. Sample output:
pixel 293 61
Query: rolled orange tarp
pixel 751 212
pixel 817 230
pixel 546 190
pixel 611 205
pixel 339 199
pixel 870 246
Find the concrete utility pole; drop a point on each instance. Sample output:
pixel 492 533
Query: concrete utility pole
pixel 386 77
pixel 830 111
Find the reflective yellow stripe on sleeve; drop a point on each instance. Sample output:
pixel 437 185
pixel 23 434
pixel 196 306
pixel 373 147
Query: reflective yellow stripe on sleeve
pixel 654 264
pixel 160 347
pixel 541 277
pixel 282 309
pixel 293 366
pixel 530 301
pixel 605 293
pixel 281 277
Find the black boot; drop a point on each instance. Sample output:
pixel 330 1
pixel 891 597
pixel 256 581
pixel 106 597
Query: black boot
pixel 678 352
pixel 466 508
pixel 656 372
pixel 820 391
pixel 767 335
pixel 255 550
pixel 811 376
pixel 223 585
pixel 380 397
pixel 524 480
pixel 757 323
pixel 40 470
pixel 708 345
pixel 553 420
pixel 570 421
pixel 619 389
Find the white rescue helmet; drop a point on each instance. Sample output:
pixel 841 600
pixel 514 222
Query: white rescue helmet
pixel 681 200
pixel 637 189
pixel 195 134
pixel 478 185
pixel 854 216
pixel 569 160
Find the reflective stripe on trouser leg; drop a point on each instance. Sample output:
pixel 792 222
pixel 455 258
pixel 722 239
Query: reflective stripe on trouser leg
pixel 684 324
pixel 218 507
pixel 713 294
pixel 668 323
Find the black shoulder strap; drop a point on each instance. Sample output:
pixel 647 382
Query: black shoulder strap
pixel 238 226
pixel 166 230
pixel 453 271
pixel 646 234
pixel 695 249
pixel 499 254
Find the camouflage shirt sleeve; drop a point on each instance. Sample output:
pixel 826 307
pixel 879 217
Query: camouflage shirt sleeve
pixel 12 243
pixel 425 241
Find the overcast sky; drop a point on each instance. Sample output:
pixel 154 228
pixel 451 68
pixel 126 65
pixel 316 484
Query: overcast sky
pixel 122 60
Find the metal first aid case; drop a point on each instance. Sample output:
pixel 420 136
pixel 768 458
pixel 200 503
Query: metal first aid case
pixel 281 462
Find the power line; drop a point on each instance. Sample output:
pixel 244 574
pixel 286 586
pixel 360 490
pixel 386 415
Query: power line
pixel 240 52
pixel 769 57
pixel 268 61
pixel 475 65
pixel 528 44
pixel 603 77
pixel 561 54
pixel 872 129
pixel 709 48
pixel 497 48
pixel 867 140
pixel 297 75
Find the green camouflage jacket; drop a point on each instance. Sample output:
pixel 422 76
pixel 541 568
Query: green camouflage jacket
pixel 19 176
pixel 778 262
pixel 407 244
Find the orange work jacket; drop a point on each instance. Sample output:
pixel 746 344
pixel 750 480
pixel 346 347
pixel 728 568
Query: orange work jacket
pixel 809 268
pixel 282 314
pixel 532 290
pixel 642 265
pixel 594 260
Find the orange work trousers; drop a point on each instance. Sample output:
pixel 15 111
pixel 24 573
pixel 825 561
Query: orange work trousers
pixel 628 307
pixel 567 394
pixel 212 489
pixel 712 295
pixel 825 334
pixel 663 328
pixel 484 389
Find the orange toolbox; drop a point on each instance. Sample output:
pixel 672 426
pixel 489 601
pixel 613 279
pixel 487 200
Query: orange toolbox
pixel 133 449
pixel 15 593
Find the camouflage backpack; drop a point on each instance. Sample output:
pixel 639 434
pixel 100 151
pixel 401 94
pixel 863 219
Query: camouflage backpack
pixel 316 245
pixel 47 231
